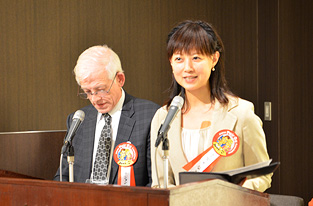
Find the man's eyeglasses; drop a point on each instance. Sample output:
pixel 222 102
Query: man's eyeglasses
pixel 101 92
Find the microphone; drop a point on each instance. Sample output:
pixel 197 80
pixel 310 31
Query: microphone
pixel 78 118
pixel 176 105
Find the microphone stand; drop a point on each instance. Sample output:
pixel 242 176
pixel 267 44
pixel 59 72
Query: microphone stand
pixel 70 160
pixel 165 148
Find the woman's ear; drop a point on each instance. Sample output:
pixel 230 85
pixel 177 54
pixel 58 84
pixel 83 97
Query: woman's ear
pixel 170 61
pixel 216 57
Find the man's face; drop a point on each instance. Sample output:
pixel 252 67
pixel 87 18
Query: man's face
pixel 96 85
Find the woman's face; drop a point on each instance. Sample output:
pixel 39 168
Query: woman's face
pixel 192 71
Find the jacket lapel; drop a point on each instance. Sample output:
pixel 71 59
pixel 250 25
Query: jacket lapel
pixel 177 157
pixel 125 128
pixel 88 139
pixel 222 119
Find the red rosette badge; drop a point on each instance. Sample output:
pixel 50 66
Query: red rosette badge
pixel 225 142
pixel 125 155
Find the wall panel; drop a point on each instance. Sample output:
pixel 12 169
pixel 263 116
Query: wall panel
pixel 41 41
pixel 295 82
pixel 268 73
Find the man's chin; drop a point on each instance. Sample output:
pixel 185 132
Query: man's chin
pixel 103 110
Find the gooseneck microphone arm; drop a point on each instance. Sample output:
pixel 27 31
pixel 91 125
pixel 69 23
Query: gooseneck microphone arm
pixel 78 118
pixel 165 149
pixel 175 106
pixel 70 160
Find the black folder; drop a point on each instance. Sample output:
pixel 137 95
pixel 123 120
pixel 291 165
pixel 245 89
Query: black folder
pixel 234 176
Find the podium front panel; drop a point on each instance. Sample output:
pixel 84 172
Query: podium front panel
pixel 18 191
pixel 216 192
pixel 43 192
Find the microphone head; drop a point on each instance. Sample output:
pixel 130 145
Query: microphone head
pixel 178 101
pixel 79 114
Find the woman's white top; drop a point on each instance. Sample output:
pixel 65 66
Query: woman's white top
pixel 195 141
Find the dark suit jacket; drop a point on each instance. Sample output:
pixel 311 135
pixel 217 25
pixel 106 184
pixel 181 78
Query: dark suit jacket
pixel 134 126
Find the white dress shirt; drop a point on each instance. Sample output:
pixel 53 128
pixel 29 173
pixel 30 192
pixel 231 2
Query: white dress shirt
pixel 115 114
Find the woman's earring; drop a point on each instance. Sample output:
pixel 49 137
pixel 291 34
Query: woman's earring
pixel 213 69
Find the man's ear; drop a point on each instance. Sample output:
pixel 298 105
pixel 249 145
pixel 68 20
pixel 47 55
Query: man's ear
pixel 120 79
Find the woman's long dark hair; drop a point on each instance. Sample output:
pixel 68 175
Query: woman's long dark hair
pixel 202 37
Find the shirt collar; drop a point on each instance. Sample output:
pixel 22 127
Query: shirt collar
pixel 118 106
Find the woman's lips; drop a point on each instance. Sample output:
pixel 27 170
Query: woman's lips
pixel 190 78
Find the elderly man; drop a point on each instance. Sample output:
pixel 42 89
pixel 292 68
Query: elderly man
pixel 115 116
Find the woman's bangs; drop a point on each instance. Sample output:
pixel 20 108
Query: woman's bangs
pixel 189 41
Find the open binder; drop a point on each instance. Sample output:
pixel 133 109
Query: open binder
pixel 234 176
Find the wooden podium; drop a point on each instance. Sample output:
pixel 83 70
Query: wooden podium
pixel 20 191
pixel 33 153
pixel 43 161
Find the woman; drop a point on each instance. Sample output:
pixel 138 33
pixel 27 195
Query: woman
pixel 196 54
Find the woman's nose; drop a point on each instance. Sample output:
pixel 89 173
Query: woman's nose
pixel 188 66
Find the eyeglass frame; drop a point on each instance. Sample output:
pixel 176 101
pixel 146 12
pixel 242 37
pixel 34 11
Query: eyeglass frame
pixel 102 91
